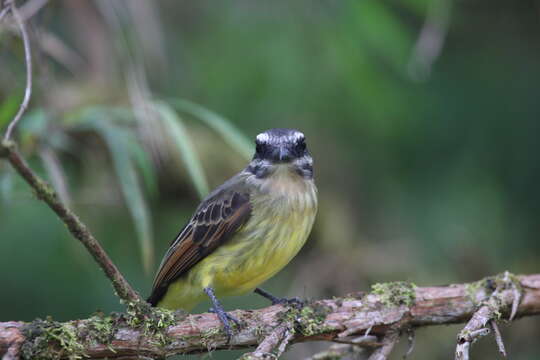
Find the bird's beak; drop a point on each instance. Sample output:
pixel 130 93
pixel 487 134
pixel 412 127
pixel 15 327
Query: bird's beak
pixel 284 154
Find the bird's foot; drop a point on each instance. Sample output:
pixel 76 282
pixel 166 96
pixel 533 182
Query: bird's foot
pixel 295 301
pixel 222 315
pixel 229 316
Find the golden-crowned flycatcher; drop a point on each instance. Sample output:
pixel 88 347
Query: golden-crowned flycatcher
pixel 245 231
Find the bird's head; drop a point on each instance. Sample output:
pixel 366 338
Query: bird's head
pixel 281 148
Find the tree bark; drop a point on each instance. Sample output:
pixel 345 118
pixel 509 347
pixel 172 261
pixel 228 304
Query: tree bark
pixel 386 310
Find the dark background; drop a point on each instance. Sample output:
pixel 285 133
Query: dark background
pixel 427 162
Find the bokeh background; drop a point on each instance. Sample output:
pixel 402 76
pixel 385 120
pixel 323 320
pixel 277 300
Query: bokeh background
pixel 422 117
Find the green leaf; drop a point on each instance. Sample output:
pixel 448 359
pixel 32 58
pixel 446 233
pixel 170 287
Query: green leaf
pixel 133 195
pixel 144 164
pixel 118 141
pixel 175 127
pixel 223 126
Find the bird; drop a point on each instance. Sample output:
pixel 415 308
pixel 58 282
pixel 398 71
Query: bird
pixel 244 231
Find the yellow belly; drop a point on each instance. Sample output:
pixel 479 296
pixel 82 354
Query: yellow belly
pixel 253 261
pixel 270 239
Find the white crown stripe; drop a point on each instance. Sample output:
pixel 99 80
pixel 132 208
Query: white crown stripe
pixel 263 137
pixel 298 136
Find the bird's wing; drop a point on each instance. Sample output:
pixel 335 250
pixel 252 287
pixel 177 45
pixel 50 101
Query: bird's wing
pixel 216 220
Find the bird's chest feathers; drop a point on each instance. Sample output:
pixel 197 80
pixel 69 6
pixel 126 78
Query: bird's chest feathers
pixel 282 216
pixel 284 204
pixel 284 188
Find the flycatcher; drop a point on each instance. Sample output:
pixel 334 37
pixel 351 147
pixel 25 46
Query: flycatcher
pixel 245 231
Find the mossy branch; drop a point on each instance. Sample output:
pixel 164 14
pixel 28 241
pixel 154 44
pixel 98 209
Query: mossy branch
pixel 366 320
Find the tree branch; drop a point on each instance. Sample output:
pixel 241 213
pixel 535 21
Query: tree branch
pixel 506 291
pixel 75 226
pixel 386 313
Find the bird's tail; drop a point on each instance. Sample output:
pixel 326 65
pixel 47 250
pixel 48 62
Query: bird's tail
pixel 156 295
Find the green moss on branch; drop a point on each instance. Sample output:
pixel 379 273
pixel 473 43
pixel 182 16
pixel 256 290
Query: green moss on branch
pixel 395 293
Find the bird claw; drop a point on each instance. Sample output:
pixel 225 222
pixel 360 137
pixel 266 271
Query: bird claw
pixel 222 315
pixel 295 301
pixel 227 315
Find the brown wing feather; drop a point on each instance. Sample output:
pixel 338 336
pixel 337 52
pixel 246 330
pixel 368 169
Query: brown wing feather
pixel 214 222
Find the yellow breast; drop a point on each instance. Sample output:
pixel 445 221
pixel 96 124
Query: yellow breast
pixel 283 213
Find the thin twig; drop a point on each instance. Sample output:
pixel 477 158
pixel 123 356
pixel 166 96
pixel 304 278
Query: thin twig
pixel 462 351
pixel 285 342
pixel 465 340
pixel 517 294
pixel 411 337
pixel 364 341
pixel 431 40
pixel 353 330
pixel 498 337
pixel 31 8
pixel 28 61
pixel 4 12
pixel 279 338
pixel 389 341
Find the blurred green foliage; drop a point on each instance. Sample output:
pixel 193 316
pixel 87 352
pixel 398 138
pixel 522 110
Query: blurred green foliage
pixel 146 106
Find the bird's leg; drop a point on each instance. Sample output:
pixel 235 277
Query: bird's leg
pixel 221 313
pixel 295 301
pixel 229 316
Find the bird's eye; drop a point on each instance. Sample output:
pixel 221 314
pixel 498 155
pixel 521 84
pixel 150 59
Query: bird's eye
pixel 301 145
pixel 259 147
